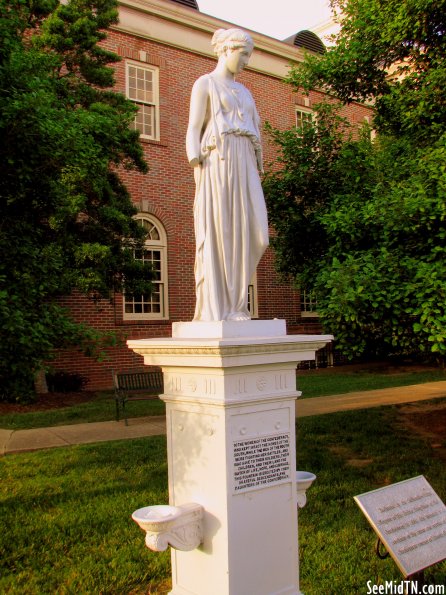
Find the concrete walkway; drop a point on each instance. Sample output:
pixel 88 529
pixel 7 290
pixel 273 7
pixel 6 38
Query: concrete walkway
pixel 12 441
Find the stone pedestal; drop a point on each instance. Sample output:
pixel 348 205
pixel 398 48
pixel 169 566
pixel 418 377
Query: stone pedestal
pixel 230 407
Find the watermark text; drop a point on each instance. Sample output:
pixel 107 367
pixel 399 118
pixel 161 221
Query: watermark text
pixel 405 587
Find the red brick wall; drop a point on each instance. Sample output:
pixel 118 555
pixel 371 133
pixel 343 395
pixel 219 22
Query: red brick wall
pixel 167 191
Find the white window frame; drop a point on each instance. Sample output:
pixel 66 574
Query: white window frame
pixel 253 301
pixel 308 304
pixel 154 105
pixel 372 130
pixel 303 110
pixel 159 245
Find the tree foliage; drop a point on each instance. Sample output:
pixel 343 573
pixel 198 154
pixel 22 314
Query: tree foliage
pixel 65 216
pixel 391 52
pixel 368 231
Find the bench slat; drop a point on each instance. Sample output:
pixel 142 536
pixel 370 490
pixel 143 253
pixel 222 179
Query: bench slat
pixel 130 386
pixel 147 380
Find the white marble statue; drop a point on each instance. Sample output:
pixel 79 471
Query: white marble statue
pixel 223 147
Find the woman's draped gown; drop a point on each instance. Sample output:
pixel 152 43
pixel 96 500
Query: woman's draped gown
pixel 231 228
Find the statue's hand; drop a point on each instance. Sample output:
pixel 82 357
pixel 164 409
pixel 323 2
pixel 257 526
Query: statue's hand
pixel 259 159
pixel 197 174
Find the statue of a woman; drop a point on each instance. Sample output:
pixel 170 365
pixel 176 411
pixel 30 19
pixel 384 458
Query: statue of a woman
pixel 223 147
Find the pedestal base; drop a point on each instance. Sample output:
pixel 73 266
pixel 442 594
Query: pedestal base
pixel 224 329
pixel 230 407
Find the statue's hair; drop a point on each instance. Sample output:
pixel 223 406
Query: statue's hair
pixel 224 39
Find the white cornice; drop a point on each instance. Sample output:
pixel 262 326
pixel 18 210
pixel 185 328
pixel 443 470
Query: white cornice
pixel 172 24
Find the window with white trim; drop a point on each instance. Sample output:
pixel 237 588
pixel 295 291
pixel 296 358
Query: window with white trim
pixel 142 87
pixel 372 131
pixel 308 304
pixel 252 298
pixel 154 252
pixel 303 117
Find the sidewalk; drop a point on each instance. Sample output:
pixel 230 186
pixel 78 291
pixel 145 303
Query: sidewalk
pixel 12 441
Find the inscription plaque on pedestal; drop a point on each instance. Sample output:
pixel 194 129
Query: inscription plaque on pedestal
pixel 260 462
pixel 410 520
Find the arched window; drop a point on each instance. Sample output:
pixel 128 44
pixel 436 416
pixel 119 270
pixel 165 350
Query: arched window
pixel 155 305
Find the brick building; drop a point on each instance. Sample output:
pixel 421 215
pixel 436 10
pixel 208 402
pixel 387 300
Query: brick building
pixel 165 46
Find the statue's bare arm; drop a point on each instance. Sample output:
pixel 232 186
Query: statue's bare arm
pixel 197 115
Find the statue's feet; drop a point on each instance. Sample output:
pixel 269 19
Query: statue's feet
pixel 237 316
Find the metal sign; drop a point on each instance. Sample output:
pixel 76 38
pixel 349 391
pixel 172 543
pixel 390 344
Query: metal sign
pixel 260 462
pixel 410 520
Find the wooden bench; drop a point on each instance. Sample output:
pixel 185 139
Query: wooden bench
pixel 137 385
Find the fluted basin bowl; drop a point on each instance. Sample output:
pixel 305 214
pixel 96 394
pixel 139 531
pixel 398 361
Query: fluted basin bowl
pixel 156 518
pixel 304 479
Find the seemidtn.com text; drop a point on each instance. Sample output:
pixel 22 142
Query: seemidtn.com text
pixel 405 587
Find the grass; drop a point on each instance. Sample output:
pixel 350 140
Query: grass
pixel 352 453
pixel 66 512
pixel 312 384
pixel 66 518
pixel 336 382
pixel 100 408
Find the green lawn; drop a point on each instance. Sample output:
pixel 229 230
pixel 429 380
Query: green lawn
pixel 100 408
pixel 312 384
pixel 66 524
pixel 352 453
pixel 334 381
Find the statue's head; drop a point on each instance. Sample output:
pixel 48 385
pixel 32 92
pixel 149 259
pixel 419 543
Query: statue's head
pixel 231 39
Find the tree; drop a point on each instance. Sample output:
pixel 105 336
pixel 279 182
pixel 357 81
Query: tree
pixel 379 271
pixel 317 163
pixel 391 52
pixel 65 216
